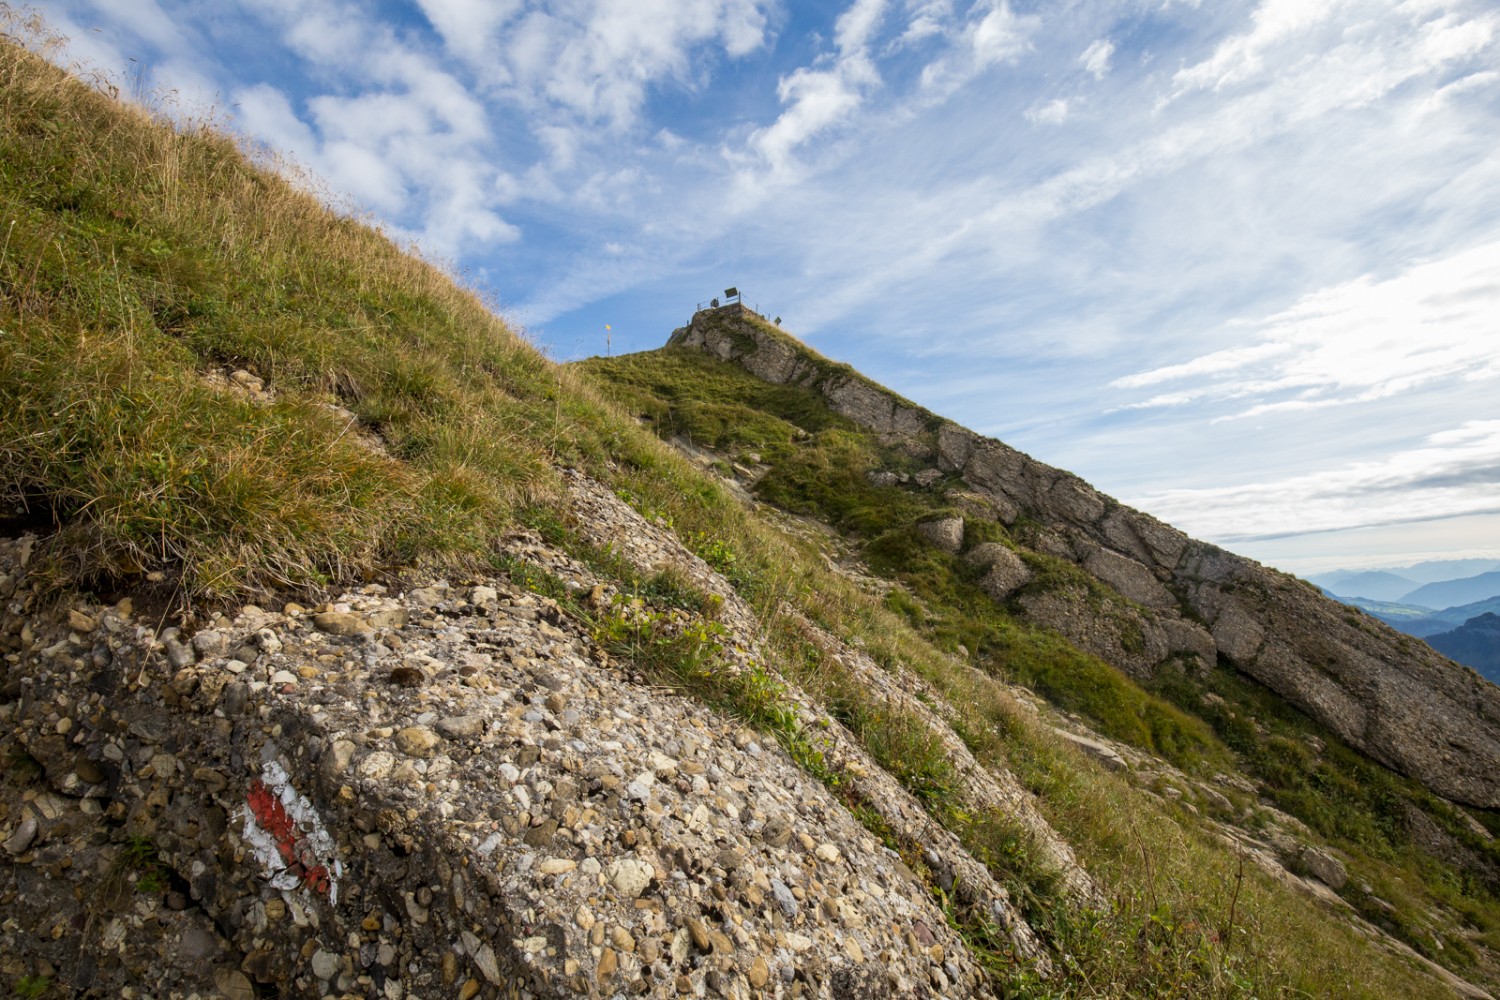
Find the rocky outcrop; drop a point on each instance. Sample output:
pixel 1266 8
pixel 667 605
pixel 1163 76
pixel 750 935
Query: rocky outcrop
pixel 1388 696
pixel 446 791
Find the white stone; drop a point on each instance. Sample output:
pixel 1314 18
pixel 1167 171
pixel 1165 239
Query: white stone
pixel 630 876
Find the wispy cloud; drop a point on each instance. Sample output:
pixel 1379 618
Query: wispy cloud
pixel 1053 112
pixel 1452 474
pixel 1245 55
pixel 1096 57
pixel 1354 342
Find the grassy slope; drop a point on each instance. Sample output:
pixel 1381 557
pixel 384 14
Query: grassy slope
pixel 818 463
pixel 137 258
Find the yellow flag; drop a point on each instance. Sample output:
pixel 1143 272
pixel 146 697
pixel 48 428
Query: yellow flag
pixel 608 327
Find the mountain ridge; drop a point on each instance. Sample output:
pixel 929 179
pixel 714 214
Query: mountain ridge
pixel 1408 709
pixel 1476 643
pixel 1456 593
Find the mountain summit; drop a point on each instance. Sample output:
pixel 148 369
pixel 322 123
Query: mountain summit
pixel 1173 597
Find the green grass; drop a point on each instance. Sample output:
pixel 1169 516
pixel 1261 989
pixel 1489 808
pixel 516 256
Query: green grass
pixel 137 258
pixel 31 987
pixel 1363 809
pixel 818 464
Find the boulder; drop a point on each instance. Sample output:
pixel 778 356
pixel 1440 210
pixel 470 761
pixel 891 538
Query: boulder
pixel 945 533
pixel 1324 867
pixel 1129 577
pixel 1007 573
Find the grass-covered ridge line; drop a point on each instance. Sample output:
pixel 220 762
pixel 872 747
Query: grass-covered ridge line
pixel 818 464
pixel 138 258
pixel 1205 722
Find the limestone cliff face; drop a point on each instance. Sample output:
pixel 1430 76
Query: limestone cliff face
pixel 1390 697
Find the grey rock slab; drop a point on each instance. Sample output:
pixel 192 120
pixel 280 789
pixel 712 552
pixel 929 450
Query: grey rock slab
pixel 946 534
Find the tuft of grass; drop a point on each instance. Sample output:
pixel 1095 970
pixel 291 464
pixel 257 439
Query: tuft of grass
pixel 32 987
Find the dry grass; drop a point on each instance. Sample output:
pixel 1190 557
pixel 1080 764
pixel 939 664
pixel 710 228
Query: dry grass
pixel 138 256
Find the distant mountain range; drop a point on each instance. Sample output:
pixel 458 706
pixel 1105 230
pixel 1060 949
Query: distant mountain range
pixel 1476 643
pixel 1376 585
pixel 1450 593
pixel 1453 604
pixel 1347 581
pixel 1422 622
pixel 1424 585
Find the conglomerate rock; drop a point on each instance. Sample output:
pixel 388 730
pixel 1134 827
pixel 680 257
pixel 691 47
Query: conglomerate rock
pixel 449 790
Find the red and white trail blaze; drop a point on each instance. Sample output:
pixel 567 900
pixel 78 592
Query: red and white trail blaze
pixel 287 835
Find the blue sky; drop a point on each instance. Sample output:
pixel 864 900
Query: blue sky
pixel 1236 263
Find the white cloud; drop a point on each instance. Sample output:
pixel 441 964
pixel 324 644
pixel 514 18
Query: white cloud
pixel 468 26
pixel 1053 112
pixel 594 59
pixel 1358 341
pixel 412 142
pixel 1453 473
pixel 1231 359
pixel 146 20
pixel 817 99
pixel 1096 57
pixel 925 19
pixel 1000 35
pixel 264 112
pixel 992 34
pixel 855 26
pixel 1244 55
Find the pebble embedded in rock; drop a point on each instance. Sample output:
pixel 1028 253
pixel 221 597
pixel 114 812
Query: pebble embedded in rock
pixel 339 623
pixel 417 741
pixel 325 964
pixel 21 839
pixel 459 727
pixel 630 876
pixel 784 899
pixel 699 933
